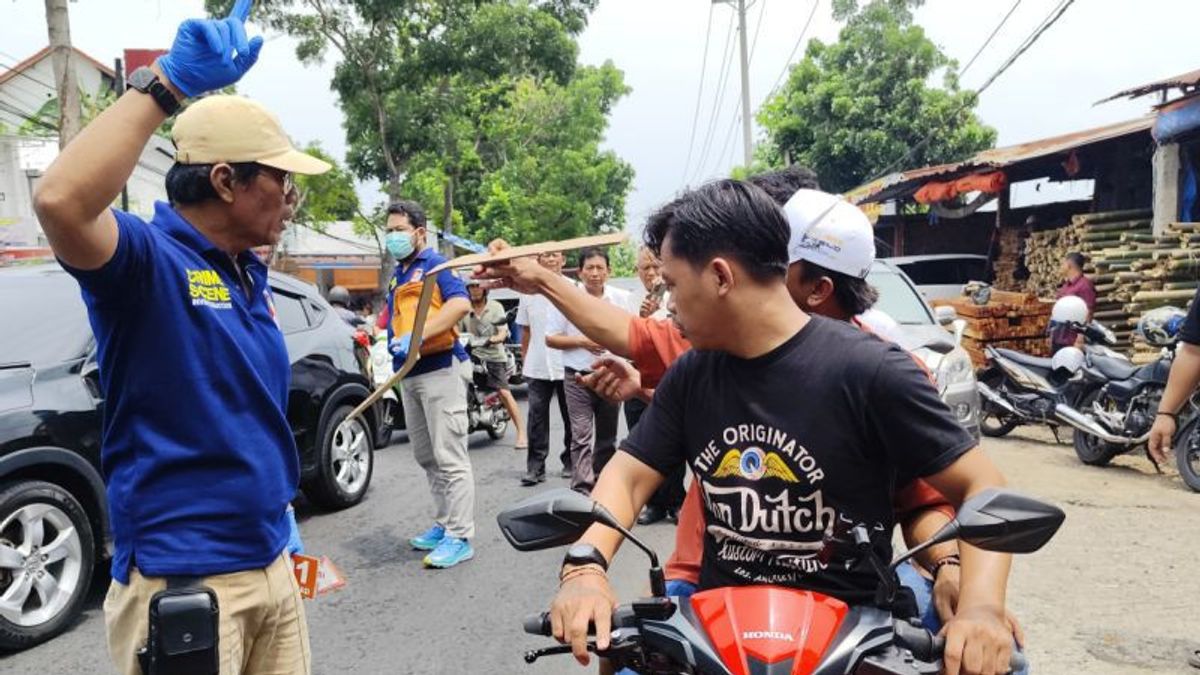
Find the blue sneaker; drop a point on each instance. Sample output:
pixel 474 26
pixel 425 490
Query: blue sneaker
pixel 429 539
pixel 449 553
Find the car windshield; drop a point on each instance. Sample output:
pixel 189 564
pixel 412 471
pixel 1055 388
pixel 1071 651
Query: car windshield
pixel 45 321
pixel 898 299
pixel 946 271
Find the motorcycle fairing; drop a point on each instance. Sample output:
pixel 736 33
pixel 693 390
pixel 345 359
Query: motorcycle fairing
pixel 768 630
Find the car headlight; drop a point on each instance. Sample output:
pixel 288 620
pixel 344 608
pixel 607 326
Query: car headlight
pixel 955 368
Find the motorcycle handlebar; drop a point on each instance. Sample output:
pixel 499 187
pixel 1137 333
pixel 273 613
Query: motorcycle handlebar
pixel 538 624
pixel 926 646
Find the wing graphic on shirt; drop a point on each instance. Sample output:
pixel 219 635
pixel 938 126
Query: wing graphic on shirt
pixel 730 465
pixel 777 468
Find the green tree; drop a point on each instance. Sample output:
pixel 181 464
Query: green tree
pixel 327 197
pixel 435 92
pixel 852 109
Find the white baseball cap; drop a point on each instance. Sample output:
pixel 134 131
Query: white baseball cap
pixel 829 231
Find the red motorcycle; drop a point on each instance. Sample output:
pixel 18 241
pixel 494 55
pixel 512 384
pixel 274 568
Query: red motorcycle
pixel 772 630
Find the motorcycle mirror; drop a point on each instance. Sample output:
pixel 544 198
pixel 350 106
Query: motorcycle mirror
pixel 559 517
pixel 998 520
pixel 552 518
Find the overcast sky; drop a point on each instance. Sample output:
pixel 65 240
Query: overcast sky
pixel 1097 48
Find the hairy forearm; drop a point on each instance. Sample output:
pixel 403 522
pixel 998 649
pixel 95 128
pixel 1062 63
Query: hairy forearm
pixel 601 321
pixel 984 573
pixel 920 528
pixel 1185 375
pixel 623 488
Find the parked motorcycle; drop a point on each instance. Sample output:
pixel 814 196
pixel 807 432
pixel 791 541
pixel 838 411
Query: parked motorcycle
pixel 1108 401
pixel 772 629
pixel 391 412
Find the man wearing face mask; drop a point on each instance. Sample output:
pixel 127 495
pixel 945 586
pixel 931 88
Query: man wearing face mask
pixel 433 393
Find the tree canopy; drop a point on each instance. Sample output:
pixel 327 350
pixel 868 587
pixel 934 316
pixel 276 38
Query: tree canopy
pixel 854 108
pixel 477 109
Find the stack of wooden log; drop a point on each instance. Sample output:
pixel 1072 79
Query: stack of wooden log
pixel 1009 321
pixel 1010 253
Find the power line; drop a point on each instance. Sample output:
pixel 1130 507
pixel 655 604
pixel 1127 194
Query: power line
pixel 28 117
pixel 988 41
pixel 22 72
pixel 720 93
pixel 1027 44
pixel 1046 23
pixel 699 95
pixel 800 40
pixel 757 25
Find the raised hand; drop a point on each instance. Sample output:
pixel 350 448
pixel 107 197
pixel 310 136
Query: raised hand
pixel 210 54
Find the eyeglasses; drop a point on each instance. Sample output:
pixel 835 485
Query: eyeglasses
pixel 284 179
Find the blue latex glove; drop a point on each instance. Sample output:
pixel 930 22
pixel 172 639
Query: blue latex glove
pixel 294 545
pixel 202 58
pixel 399 346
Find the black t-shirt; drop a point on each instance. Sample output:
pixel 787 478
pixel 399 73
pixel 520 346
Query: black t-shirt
pixel 1190 333
pixel 786 444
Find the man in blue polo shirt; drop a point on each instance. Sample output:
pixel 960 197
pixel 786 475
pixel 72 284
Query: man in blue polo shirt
pixel 198 457
pixel 434 393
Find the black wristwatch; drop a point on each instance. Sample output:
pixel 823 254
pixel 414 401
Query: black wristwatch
pixel 144 80
pixel 585 554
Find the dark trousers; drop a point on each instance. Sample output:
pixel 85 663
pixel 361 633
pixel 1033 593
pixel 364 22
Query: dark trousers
pixel 540 393
pixel 670 494
pixel 589 414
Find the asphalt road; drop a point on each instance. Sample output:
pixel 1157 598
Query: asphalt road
pixel 395 616
pixel 1113 594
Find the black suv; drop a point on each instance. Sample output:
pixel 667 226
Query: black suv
pixel 53 520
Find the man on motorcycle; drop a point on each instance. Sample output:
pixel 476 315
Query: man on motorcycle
pixel 487 326
pixel 776 475
pixel 654 345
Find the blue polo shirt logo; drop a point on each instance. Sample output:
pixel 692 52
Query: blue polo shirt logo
pixel 207 289
pixel 198 456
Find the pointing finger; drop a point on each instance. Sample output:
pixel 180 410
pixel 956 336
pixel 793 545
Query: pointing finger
pixel 241 10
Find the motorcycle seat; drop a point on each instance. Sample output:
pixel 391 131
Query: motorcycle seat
pixel 1039 362
pixel 1114 369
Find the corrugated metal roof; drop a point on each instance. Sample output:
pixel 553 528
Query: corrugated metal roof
pixel 897 183
pixel 1185 81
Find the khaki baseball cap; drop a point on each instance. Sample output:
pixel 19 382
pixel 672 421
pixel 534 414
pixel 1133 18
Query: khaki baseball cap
pixel 225 128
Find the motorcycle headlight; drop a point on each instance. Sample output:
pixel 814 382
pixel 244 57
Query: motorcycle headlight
pixel 955 368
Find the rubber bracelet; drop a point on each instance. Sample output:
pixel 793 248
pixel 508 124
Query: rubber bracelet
pixel 948 560
pixel 589 568
pixel 573 574
pixel 1174 416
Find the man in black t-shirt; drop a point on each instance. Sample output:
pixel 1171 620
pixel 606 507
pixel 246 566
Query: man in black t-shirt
pixel 790 423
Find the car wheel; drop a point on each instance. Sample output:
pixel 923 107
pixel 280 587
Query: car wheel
pixel 47 556
pixel 345 461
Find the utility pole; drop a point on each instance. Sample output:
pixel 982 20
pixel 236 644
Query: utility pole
pixel 58 24
pixel 746 140
pixel 119 88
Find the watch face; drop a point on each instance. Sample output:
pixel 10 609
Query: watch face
pixel 579 551
pixel 141 78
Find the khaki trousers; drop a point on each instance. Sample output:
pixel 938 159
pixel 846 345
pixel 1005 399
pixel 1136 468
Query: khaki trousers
pixel 262 629
pixel 435 411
